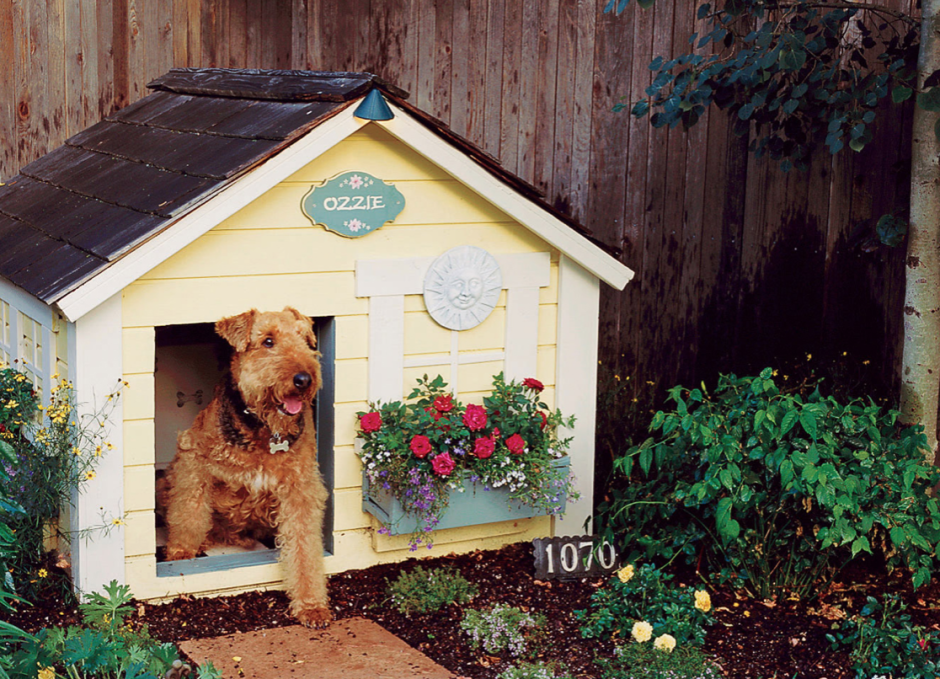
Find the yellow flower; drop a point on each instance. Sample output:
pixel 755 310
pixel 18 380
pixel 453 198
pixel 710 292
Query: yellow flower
pixel 625 573
pixel 76 450
pixel 703 601
pixel 11 404
pixel 666 642
pixel 42 573
pixel 642 631
pixel 45 673
pixel 118 522
pixel 89 475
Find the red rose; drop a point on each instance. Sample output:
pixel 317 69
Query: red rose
pixel 533 384
pixel 544 420
pixel 433 413
pixel 474 417
pixel 444 404
pixel 516 444
pixel 370 422
pixel 483 447
pixel 420 445
pixel 923 644
pixel 443 464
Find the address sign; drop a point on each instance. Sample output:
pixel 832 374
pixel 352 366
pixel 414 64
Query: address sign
pixel 353 204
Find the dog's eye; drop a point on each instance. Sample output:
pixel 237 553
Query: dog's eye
pixel 268 342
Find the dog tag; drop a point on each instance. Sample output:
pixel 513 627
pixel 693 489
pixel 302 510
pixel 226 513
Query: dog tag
pixel 278 447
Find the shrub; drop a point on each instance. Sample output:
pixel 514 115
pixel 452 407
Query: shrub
pixel 532 671
pixel 777 489
pixel 501 628
pixel 645 661
pixel 882 641
pixel 422 591
pixel 105 646
pixel 48 454
pixel 644 594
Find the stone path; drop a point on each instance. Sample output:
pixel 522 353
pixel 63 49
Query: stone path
pixel 354 648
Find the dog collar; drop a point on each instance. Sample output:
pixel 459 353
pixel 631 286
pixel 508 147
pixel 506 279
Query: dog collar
pixel 239 413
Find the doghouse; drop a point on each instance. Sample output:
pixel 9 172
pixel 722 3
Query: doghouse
pixel 225 190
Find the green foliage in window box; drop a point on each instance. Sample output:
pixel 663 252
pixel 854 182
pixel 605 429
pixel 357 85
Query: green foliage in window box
pixel 426 591
pixel 776 489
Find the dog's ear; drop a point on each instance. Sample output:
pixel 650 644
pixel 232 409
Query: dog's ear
pixel 308 324
pixel 236 330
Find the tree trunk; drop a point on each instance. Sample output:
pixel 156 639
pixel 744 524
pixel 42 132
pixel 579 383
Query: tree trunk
pixel 920 370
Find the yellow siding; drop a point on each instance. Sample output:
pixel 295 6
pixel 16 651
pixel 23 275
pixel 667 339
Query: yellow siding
pixel 268 255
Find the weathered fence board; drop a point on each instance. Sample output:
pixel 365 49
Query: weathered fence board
pixel 737 263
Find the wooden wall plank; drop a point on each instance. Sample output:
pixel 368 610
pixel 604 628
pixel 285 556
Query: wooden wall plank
pixel 510 112
pixel 8 88
pixel 583 109
pixel 528 90
pixel 443 60
pixel 544 141
pixel 494 80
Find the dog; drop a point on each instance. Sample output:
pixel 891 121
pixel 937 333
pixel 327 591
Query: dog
pixel 248 464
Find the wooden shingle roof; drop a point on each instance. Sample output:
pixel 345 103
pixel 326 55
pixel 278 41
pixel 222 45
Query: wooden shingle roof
pixel 74 212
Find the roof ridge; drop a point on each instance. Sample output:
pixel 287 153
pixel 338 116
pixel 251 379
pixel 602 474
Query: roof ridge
pixel 277 85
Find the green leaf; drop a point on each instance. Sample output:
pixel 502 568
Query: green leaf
pixel 808 422
pixel 646 459
pixel 860 544
pixel 929 100
pixel 901 93
pixel 788 421
pixel 786 473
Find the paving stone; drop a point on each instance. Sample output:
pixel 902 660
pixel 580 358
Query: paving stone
pixel 354 648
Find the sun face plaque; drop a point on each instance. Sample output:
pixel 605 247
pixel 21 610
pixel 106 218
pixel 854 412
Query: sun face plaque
pixel 353 204
pixel 462 287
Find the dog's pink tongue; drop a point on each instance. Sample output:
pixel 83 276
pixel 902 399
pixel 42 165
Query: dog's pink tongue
pixel 293 405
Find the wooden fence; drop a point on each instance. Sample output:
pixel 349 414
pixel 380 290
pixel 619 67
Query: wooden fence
pixel 738 265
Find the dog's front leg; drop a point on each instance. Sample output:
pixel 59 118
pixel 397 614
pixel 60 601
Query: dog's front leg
pixel 189 511
pixel 300 536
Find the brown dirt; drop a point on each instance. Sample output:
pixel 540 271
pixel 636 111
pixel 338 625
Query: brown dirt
pixel 750 640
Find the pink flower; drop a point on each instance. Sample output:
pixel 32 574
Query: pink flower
pixel 474 417
pixel 443 464
pixel 420 445
pixel 444 404
pixel 370 422
pixel 516 444
pixel 483 447
pixel 533 384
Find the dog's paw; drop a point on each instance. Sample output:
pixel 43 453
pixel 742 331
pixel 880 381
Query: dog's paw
pixel 178 553
pixel 318 618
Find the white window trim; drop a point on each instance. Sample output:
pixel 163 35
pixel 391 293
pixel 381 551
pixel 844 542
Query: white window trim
pixel 386 282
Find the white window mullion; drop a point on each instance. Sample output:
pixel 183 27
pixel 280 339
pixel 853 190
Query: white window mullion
pixel 386 347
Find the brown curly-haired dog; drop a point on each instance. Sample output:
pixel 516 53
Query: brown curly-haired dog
pixel 249 462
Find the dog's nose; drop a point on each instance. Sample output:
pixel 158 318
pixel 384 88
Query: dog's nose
pixel 302 380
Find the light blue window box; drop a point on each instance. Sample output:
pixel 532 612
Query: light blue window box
pixel 474 506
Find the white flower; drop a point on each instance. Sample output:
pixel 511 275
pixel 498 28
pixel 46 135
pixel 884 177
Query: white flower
pixel 355 181
pixel 642 631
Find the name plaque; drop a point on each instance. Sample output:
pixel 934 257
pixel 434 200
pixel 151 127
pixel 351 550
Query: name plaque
pixel 353 204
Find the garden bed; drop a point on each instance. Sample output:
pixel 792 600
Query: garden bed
pixel 750 640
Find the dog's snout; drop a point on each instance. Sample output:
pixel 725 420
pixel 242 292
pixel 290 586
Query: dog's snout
pixel 302 380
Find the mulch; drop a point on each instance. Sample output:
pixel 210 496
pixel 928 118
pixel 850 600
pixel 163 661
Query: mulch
pixel 750 640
